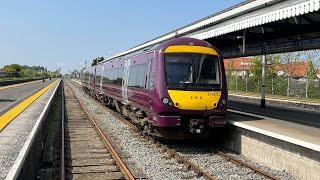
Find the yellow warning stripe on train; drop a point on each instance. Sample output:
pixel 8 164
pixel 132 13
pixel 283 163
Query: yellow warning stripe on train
pixel 6 118
pixel 16 85
pixel 191 49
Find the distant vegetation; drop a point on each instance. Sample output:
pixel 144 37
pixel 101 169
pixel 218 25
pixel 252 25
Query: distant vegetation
pixel 16 71
pixel 284 76
pixel 95 60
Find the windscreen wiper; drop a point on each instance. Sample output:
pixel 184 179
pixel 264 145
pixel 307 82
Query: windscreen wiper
pixel 186 78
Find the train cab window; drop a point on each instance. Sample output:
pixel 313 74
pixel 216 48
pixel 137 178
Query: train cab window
pixel 208 72
pixel 192 71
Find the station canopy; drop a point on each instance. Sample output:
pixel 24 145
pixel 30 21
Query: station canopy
pixel 261 26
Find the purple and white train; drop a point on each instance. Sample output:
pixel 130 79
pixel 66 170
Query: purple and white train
pixel 175 90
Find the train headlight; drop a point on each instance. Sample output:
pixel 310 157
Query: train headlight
pixel 170 103
pixel 223 102
pixel 165 100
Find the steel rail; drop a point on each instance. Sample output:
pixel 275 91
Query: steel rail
pixel 185 161
pixel 62 163
pixel 243 164
pixel 123 167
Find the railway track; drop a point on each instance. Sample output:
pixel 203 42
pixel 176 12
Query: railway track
pixel 87 152
pixel 189 165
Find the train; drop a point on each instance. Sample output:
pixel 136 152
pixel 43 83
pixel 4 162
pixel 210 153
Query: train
pixel 173 90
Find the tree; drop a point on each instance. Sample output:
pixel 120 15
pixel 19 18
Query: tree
pixel 288 60
pixel 311 71
pixel 231 67
pixel 289 65
pixel 95 60
pixel 13 69
pixel 314 57
pixel 257 67
pixel 275 60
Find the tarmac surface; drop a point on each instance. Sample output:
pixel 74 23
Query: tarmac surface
pixel 296 115
pixel 11 97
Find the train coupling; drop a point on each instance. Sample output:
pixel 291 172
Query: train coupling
pixel 196 126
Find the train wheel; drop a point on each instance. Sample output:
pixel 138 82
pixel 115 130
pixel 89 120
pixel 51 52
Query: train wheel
pixel 146 128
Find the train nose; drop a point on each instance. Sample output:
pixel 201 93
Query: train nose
pixel 194 100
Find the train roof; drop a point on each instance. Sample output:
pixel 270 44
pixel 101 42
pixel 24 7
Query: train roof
pixel 159 46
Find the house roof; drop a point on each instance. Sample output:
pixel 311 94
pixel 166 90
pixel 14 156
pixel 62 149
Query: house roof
pixel 238 64
pixel 294 69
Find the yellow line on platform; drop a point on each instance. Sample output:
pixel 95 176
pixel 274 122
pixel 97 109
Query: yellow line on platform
pixel 16 85
pixel 6 118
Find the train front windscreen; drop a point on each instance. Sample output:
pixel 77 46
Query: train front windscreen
pixel 192 71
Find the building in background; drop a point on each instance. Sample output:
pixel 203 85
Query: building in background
pixel 239 66
pixel 295 70
pixel 244 66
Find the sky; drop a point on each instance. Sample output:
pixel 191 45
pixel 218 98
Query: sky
pixel 65 34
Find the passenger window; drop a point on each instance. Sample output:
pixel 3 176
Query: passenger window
pixel 119 76
pixel 133 76
pixel 109 76
pixel 137 76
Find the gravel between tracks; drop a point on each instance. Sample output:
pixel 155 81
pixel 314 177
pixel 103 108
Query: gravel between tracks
pixel 277 173
pixel 216 165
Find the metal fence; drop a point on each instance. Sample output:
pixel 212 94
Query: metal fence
pixel 303 88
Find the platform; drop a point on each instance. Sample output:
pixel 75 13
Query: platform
pixel 302 135
pixel 16 136
pixel 279 119
pixel 13 94
pixel 285 138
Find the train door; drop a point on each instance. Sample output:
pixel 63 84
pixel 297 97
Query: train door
pixel 148 74
pixel 101 79
pixel 94 78
pixel 125 80
pixel 148 82
pixel 89 74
